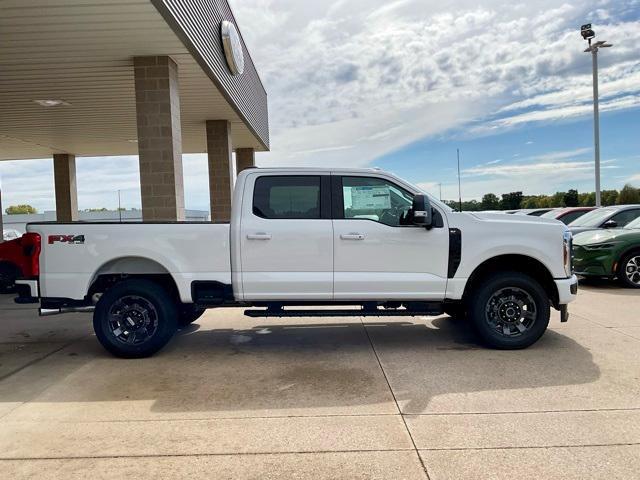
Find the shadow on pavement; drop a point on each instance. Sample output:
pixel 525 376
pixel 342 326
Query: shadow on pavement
pixel 312 366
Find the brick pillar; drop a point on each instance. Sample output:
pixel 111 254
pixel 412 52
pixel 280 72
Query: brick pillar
pixel 159 138
pixel 64 173
pixel 245 158
pixel 220 169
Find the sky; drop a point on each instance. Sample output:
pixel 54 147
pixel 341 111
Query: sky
pixel 402 84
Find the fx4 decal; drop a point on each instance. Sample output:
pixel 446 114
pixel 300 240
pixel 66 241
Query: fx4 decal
pixel 70 239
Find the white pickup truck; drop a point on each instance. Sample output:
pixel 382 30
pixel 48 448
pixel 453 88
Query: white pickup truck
pixel 308 238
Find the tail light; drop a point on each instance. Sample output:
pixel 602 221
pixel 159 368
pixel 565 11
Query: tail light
pixel 31 248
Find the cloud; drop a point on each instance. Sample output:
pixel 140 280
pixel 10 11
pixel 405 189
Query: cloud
pixel 350 72
pixel 352 80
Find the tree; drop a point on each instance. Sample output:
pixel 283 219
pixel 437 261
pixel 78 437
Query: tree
pixel 571 198
pixel 490 201
pixel 608 197
pixel 587 199
pixel 530 202
pixel 20 209
pixel 628 195
pixel 557 200
pixel 511 201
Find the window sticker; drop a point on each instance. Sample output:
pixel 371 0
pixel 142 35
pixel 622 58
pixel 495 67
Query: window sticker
pixel 371 198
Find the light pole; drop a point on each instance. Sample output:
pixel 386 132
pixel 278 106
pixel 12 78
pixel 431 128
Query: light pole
pixel 588 34
pixel 459 186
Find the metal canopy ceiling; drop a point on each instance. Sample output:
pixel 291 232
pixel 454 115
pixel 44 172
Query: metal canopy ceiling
pixel 81 51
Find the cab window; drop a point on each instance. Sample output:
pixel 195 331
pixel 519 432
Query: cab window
pixel 287 197
pixel 375 199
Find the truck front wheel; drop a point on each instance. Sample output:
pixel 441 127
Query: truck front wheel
pixel 509 310
pixel 135 318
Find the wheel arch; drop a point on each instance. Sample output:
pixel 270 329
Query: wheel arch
pixel 514 263
pixel 122 268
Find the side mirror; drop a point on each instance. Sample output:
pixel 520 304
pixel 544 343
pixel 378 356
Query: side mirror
pixel 421 210
pixel 610 224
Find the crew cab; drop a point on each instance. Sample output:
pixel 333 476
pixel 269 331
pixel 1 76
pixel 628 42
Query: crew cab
pixel 313 238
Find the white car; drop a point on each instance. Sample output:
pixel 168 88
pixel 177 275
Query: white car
pixel 10 234
pixel 307 237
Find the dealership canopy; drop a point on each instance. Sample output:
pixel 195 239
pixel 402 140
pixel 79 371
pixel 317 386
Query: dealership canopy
pixel 156 78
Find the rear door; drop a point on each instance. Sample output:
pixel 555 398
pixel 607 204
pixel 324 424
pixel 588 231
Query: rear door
pixel 286 238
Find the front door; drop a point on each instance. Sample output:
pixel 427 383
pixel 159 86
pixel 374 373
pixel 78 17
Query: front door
pixel 377 255
pixel 286 238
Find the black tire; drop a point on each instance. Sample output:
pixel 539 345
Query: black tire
pixel 145 306
pixel 629 269
pixel 189 313
pixel 8 275
pixel 498 310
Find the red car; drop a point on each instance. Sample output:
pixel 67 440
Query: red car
pixel 568 214
pixel 17 260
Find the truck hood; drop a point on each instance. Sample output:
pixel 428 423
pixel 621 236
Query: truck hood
pixel 602 236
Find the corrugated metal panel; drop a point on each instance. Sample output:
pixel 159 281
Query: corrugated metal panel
pixel 81 51
pixel 197 23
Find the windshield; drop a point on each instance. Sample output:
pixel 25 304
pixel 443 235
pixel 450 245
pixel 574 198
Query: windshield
pixel 593 218
pixel 634 224
pixel 550 214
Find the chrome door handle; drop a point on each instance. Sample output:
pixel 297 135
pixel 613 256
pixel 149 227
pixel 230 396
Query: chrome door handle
pixel 259 236
pixel 352 236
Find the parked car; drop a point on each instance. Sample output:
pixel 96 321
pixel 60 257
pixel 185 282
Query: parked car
pixel 305 237
pixel 10 234
pixel 606 217
pixel 16 260
pixel 534 212
pixel 609 253
pixel 568 214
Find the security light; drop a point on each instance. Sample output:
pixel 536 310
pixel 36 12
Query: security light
pixel 586 32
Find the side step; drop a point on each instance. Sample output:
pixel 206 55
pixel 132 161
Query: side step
pixel 354 312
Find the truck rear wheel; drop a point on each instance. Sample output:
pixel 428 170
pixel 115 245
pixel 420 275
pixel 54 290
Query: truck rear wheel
pixel 135 319
pixel 509 310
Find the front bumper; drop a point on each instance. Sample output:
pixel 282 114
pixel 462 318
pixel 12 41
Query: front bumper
pixel 598 263
pixel 567 289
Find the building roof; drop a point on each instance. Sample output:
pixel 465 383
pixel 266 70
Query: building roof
pixel 81 52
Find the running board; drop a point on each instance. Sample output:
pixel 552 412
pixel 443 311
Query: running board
pixel 344 313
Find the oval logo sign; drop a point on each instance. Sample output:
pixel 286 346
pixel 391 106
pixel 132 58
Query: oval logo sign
pixel 232 47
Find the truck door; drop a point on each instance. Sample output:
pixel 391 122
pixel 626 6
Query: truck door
pixel 286 238
pixel 378 257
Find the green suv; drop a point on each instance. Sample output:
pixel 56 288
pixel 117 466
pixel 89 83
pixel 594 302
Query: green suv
pixel 609 253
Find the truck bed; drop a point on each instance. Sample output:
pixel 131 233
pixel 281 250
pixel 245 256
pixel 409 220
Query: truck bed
pixel 74 254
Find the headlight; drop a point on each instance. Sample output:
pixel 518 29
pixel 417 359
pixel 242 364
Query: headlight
pixel 600 246
pixel 567 241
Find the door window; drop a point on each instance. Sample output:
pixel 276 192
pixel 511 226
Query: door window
pixel 375 199
pixel 287 197
pixel 571 216
pixel 625 217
